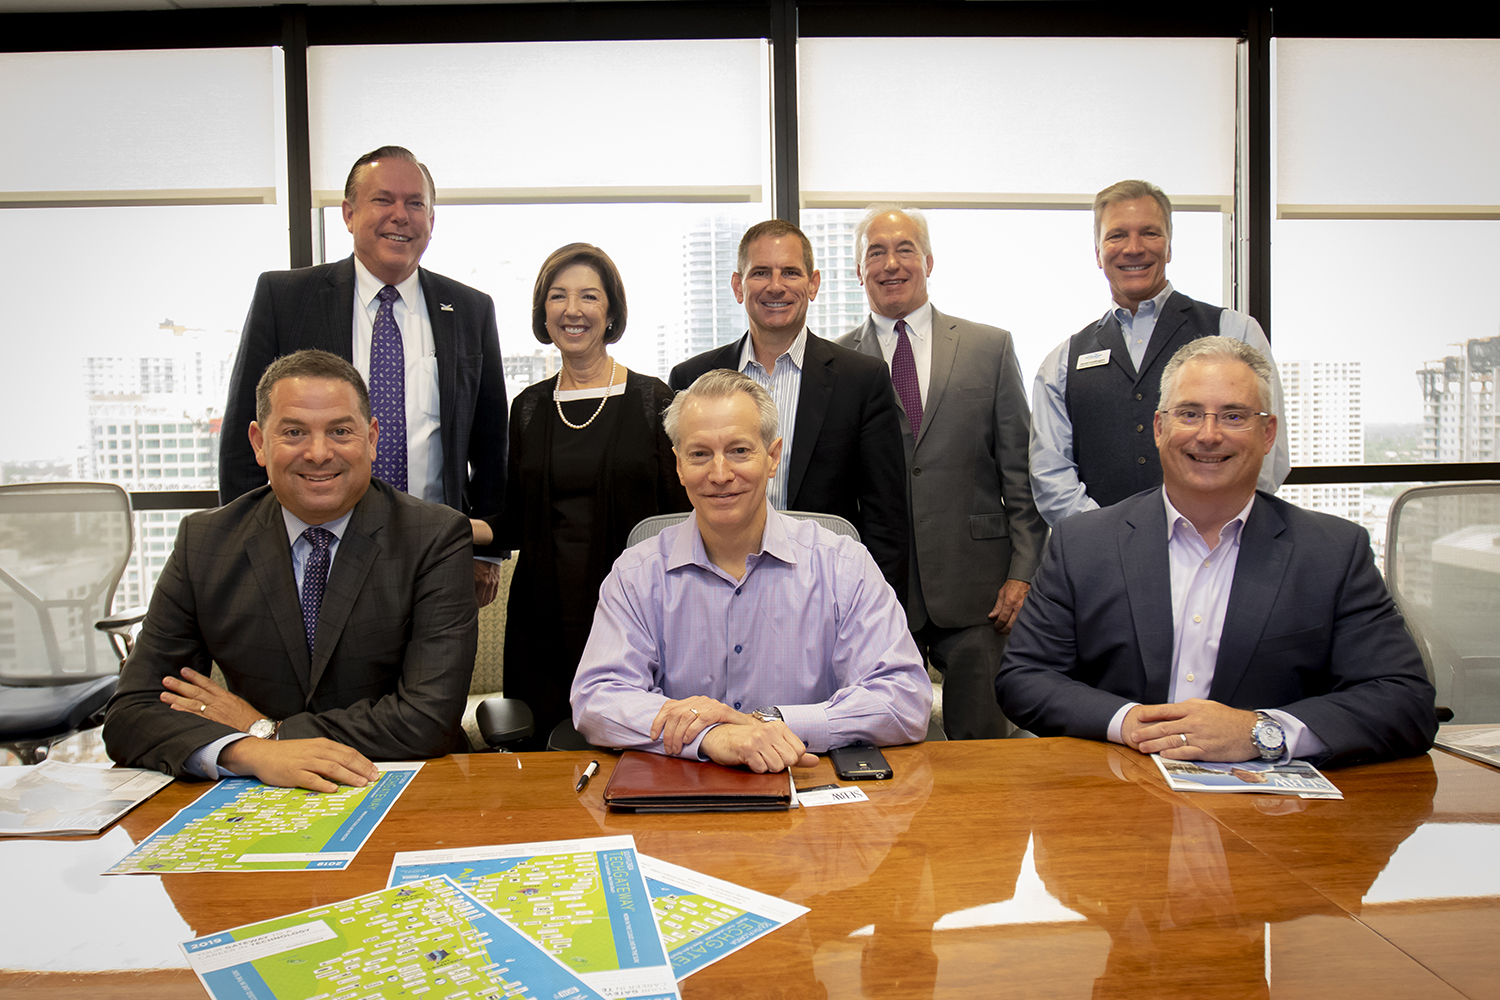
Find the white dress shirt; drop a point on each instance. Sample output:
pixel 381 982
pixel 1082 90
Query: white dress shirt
pixel 919 332
pixel 424 441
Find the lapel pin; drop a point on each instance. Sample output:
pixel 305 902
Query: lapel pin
pixel 445 307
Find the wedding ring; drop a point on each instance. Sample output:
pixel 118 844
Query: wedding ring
pixel 1184 738
pixel 202 707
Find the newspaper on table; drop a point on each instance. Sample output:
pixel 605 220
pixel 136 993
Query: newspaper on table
pixel 242 825
pixel 583 901
pixel 1481 743
pixel 1296 777
pixel 54 798
pixel 702 919
pixel 427 938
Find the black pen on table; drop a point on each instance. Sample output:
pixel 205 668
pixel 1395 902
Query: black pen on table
pixel 588 773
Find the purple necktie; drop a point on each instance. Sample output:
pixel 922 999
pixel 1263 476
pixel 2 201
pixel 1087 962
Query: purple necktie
pixel 904 375
pixel 314 580
pixel 388 392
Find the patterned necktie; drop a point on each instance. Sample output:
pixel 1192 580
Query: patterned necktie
pixel 314 580
pixel 388 392
pixel 904 375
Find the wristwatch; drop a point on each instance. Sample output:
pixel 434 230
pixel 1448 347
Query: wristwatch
pixel 263 729
pixel 768 714
pixel 1268 737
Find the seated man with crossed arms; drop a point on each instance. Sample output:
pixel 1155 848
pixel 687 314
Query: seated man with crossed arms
pixel 341 611
pixel 742 635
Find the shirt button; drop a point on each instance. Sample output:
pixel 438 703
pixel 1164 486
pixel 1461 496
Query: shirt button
pixel 1196 619
pixel 1205 563
pixel 737 591
pixel 738 648
pixel 1191 678
pixel 1139 396
pixel 1141 460
pixel 917 471
pixel 736 706
pixel 1139 428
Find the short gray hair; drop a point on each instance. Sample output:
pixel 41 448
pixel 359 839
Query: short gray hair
pixel 717 384
pixel 1130 191
pixel 862 230
pixel 1217 349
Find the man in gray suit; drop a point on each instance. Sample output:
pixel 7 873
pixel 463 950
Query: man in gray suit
pixel 976 536
pixel 340 610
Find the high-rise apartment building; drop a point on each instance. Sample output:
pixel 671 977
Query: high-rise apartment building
pixel 1458 404
pixel 1325 426
pixel 710 314
pixel 840 305
pixel 154 424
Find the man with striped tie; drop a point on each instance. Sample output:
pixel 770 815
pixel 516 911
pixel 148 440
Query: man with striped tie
pixel 340 610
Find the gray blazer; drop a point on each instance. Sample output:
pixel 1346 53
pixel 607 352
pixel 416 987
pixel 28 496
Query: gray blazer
pixel 395 642
pixel 973 521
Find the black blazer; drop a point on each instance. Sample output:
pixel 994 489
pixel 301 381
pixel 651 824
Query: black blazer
pixel 313 307
pixel 395 640
pixel 1310 629
pixel 847 456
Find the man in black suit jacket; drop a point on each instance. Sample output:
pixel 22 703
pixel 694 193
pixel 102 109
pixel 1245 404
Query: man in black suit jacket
pixel 839 416
pixel 322 678
pixel 388 208
pixel 1284 639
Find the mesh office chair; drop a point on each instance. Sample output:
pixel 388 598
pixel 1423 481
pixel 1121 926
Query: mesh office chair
pixel 1442 565
pixel 63 547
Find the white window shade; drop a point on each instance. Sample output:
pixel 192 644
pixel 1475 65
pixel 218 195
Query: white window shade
pixel 549 121
pixel 1387 128
pixel 1015 121
pixel 181 126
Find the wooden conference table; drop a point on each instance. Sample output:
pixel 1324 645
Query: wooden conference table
pixel 1024 868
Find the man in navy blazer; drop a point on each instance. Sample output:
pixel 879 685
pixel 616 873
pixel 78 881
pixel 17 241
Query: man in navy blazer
pixel 1207 621
pixel 456 402
pixel 839 416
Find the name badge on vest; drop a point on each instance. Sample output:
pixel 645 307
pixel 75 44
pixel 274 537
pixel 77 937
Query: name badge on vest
pixel 1093 359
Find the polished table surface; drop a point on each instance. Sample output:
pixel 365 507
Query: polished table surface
pixel 1021 868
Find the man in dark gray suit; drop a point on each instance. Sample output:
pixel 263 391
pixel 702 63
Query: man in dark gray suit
pixel 976 536
pixel 450 405
pixel 340 610
pixel 1203 620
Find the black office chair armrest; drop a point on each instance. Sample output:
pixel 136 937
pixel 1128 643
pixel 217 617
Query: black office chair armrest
pixel 121 621
pixel 504 720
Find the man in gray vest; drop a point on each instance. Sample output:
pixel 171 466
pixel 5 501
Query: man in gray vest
pixel 1097 392
pixel 976 536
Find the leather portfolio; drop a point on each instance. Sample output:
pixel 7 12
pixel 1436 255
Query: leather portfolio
pixel 650 782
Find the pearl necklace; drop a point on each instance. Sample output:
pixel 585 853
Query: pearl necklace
pixel 614 366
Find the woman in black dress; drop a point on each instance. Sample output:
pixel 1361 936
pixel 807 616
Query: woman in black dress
pixel 588 460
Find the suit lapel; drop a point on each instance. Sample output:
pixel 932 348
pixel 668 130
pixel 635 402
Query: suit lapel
pixel 1148 588
pixel 358 549
pixel 944 349
pixel 1173 314
pixel 336 306
pixel 1113 340
pixel 818 379
pixel 445 340
pixel 1263 560
pixel 270 557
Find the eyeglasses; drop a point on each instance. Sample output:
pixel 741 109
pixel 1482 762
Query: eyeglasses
pixel 1232 420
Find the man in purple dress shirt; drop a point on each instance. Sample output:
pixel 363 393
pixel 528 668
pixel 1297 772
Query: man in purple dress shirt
pixel 1206 621
pixel 742 635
